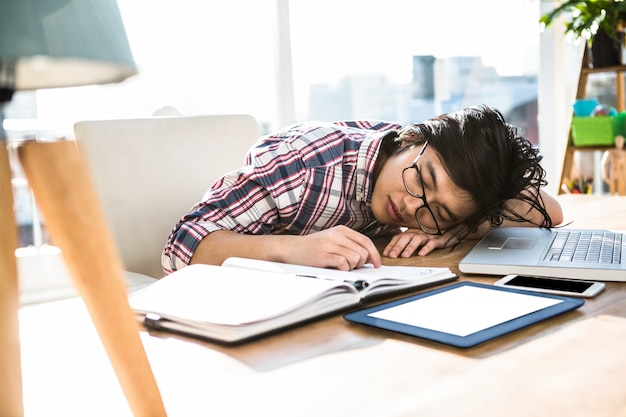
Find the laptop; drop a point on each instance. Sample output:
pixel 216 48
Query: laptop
pixel 590 254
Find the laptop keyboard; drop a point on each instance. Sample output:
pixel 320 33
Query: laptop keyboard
pixel 592 247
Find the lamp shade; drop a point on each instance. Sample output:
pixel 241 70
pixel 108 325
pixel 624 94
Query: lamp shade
pixel 62 43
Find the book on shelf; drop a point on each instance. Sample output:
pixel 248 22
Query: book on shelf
pixel 245 298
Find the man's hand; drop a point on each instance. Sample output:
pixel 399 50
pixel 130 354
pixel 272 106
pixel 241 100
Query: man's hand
pixel 411 241
pixel 338 247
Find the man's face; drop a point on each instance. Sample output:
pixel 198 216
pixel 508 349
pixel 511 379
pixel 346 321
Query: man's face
pixel 393 205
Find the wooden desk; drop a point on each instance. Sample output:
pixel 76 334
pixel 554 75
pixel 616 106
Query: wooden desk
pixel 573 365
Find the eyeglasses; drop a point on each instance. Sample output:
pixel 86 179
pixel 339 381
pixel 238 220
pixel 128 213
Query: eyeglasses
pixel 415 187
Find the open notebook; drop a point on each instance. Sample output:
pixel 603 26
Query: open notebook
pixel 560 252
pixel 245 298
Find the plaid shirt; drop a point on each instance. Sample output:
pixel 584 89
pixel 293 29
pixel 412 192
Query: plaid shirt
pixel 302 179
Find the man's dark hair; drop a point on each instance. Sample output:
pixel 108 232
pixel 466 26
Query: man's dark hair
pixel 486 157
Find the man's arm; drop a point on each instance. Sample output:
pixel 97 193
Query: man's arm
pixel 412 241
pixel 338 247
pixel 553 208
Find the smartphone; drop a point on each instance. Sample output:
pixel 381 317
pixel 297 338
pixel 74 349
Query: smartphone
pixel 560 286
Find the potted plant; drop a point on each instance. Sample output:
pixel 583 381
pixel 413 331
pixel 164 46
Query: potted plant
pixel 599 22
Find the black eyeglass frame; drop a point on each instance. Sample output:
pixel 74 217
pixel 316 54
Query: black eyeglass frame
pixel 425 205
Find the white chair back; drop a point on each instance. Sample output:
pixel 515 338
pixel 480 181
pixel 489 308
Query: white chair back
pixel 149 172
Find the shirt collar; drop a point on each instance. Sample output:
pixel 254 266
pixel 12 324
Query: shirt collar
pixel 366 161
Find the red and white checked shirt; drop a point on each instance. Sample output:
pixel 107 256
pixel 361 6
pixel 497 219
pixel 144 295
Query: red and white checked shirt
pixel 302 179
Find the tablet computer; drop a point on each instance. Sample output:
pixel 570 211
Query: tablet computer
pixel 466 314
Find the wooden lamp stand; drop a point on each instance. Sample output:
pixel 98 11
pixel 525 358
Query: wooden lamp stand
pixel 10 356
pixel 61 182
pixel 56 44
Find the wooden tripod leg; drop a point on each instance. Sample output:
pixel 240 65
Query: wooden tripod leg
pixel 11 401
pixel 62 185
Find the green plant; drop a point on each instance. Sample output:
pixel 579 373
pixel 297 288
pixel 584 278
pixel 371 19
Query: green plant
pixel 589 16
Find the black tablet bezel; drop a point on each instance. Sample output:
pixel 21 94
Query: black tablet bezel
pixel 471 340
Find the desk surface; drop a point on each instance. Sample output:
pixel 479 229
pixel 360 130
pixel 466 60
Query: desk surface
pixel 572 365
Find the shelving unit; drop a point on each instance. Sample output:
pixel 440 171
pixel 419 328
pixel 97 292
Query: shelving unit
pixel 581 92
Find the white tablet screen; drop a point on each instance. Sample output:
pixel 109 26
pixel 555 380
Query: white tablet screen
pixel 464 310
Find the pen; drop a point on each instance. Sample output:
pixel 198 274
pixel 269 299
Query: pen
pixel 153 321
pixel 359 284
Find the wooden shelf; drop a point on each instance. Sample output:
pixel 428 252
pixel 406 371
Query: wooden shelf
pixel 581 92
pixel 615 68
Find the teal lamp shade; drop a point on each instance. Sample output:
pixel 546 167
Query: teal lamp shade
pixel 62 43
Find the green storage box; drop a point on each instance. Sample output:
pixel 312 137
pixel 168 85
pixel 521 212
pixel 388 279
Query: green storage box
pixel 598 130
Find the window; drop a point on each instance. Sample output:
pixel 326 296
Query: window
pixel 406 61
pixel 400 60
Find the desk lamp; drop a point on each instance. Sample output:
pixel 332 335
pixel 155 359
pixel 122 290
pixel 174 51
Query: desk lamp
pixel 62 43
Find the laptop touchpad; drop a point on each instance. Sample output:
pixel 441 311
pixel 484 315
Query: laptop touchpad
pixel 514 243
